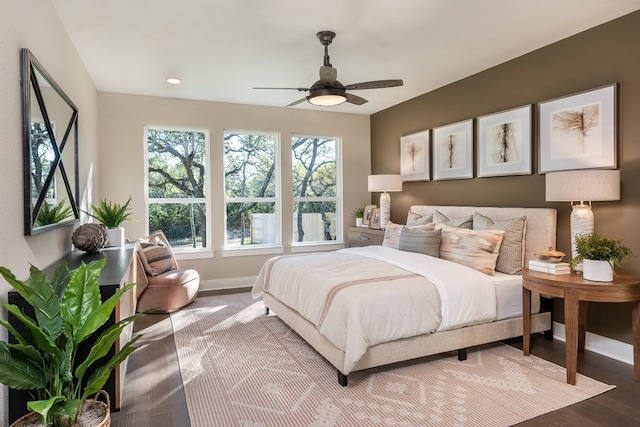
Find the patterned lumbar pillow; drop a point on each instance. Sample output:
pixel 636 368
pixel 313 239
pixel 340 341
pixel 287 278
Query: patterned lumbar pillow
pixel 392 233
pixel 477 249
pixel 413 239
pixel 461 222
pixel 511 257
pixel 156 256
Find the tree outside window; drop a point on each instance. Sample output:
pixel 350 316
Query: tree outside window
pixel 315 188
pixel 251 189
pixel 176 176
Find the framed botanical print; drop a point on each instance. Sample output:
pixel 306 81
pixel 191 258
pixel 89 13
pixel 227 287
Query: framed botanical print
pixel 414 157
pixel 453 151
pixel 504 143
pixel 579 131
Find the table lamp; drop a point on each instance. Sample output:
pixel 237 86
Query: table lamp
pixel 385 184
pixel 586 185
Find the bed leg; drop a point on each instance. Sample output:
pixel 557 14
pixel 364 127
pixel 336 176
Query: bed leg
pixel 462 354
pixel 342 379
pixel 266 310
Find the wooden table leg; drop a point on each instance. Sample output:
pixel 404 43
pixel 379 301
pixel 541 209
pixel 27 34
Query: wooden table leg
pixel 635 323
pixel 582 325
pixel 571 324
pixel 526 321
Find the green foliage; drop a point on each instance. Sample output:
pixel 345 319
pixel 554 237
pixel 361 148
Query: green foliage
pixel 52 214
pixel 68 310
pixel 111 214
pixel 358 213
pixel 600 248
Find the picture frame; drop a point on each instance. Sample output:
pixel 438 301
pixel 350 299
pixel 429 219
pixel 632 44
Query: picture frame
pixel 375 219
pixel 414 157
pixel 366 217
pixel 453 151
pixel 504 142
pixel 579 131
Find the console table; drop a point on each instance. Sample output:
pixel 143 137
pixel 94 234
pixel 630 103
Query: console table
pixel 577 293
pixel 119 271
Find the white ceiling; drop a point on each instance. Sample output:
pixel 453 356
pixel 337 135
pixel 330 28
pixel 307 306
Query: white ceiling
pixel 223 48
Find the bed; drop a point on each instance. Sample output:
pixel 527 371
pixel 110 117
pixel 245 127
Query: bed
pixel 372 306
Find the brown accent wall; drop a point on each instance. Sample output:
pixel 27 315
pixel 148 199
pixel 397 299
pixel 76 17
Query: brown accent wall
pixel 606 54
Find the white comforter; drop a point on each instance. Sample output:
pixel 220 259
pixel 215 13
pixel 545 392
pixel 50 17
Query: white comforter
pixel 356 301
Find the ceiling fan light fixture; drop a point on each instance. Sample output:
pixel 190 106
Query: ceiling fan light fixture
pixel 326 97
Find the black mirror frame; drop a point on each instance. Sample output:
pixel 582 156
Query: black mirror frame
pixel 30 66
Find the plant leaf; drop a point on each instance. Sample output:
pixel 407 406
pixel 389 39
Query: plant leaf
pixel 17 370
pixel 82 299
pixel 100 375
pixel 44 406
pixel 42 340
pixel 45 303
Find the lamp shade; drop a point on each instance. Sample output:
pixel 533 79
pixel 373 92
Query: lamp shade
pixel 385 183
pixel 582 185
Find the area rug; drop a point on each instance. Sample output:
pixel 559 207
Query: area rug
pixel 241 367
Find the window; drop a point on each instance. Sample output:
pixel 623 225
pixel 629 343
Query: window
pixel 251 189
pixel 176 175
pixel 315 188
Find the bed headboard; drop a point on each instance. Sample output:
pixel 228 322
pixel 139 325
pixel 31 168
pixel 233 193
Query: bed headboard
pixel 541 222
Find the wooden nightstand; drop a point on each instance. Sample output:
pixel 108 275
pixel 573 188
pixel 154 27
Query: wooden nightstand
pixel 362 236
pixel 577 293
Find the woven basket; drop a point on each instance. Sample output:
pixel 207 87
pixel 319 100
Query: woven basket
pixel 32 418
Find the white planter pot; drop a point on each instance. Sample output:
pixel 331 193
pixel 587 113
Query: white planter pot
pixel 358 222
pixel 597 271
pixel 115 237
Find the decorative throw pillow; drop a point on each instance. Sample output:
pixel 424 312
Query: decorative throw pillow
pixel 461 222
pixel 511 257
pixel 414 218
pixel 420 241
pixel 392 233
pixel 477 249
pixel 156 256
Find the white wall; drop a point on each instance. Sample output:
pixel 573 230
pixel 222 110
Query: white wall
pixel 34 24
pixel 121 134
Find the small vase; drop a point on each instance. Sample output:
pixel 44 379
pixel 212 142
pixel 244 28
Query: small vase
pixel 358 222
pixel 115 237
pixel 597 271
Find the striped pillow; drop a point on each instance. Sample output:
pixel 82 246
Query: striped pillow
pixel 477 249
pixel 156 256
pixel 420 241
pixel 392 233
pixel 511 257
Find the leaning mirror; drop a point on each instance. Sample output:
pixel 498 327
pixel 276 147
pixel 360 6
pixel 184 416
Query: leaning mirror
pixel 50 134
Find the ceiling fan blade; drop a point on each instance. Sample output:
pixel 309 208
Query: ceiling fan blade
pixel 299 89
pixel 297 102
pixel 353 99
pixel 376 84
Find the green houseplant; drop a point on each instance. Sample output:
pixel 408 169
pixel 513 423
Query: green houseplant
pixel 68 311
pixel 358 214
pixel 52 214
pixel 112 215
pixel 593 247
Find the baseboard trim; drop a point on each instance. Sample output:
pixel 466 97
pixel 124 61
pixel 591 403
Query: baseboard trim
pixel 225 284
pixel 608 347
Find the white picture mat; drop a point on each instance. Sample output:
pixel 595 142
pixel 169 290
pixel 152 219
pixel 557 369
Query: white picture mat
pixel 453 151
pixel 414 157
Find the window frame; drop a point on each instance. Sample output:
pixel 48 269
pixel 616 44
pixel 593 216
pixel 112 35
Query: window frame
pixel 183 253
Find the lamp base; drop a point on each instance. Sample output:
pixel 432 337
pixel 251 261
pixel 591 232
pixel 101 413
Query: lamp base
pixel 385 209
pixel 581 223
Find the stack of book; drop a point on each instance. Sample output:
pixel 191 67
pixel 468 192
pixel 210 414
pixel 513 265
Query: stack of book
pixel 550 267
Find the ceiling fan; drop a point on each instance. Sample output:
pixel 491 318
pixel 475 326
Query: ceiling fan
pixel 328 90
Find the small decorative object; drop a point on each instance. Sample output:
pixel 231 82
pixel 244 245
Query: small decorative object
pixel 549 255
pixel 47 362
pixel 358 214
pixel 112 215
pixel 90 237
pixel 592 247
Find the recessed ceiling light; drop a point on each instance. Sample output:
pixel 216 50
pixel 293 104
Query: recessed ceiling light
pixel 174 80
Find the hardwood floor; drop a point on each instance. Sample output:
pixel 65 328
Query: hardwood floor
pixel 153 393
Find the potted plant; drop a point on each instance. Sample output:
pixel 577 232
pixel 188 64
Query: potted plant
pixel 53 214
pixel 45 360
pixel 112 215
pixel 598 255
pixel 358 214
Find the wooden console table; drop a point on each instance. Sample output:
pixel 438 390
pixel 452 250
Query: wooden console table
pixel 119 271
pixel 577 293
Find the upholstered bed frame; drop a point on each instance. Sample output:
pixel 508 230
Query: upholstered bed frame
pixel 540 234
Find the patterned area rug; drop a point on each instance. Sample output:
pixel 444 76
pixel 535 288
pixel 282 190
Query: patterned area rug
pixel 242 368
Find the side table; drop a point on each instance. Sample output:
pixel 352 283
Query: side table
pixel 577 293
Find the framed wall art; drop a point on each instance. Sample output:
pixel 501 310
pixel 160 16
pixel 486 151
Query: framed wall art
pixel 579 131
pixel 453 151
pixel 504 142
pixel 414 157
